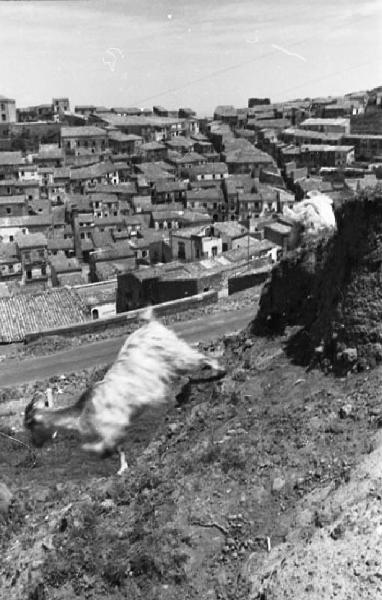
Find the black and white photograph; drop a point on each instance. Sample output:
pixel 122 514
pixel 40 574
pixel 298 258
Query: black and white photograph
pixel 190 300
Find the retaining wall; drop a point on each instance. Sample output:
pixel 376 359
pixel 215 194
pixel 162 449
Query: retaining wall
pixel 132 316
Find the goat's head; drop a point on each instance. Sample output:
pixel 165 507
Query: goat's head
pixel 35 419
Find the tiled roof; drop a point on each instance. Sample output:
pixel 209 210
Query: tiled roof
pixel 31 240
pixel 11 158
pixel 62 264
pixel 104 292
pixel 321 122
pixel 85 131
pixel 241 155
pixel 152 146
pixel 22 314
pixel 209 194
pixel 60 243
pixel 213 167
pixel 97 170
pixel 188 232
pixel 122 188
pixel 325 148
pixel 8 250
pixel 118 136
pixel 170 186
pixel 279 228
pixel 70 279
pixel 17 199
pixel 191 216
pixel 230 228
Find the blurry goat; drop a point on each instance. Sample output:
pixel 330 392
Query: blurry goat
pixel 151 357
pixel 315 213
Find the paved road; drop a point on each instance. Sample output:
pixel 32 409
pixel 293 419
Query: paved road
pixel 14 372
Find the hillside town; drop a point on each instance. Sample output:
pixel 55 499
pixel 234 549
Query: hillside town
pixel 104 210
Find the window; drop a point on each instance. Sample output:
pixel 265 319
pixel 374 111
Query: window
pixel 43 271
pixel 9 210
pixel 11 238
pixel 3 117
pixel 29 274
pixel 10 268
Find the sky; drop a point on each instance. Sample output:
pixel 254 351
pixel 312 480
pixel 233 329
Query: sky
pixel 187 53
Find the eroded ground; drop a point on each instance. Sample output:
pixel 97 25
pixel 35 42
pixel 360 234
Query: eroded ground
pixel 251 464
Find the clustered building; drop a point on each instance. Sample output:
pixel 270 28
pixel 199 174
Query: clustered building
pixel 162 204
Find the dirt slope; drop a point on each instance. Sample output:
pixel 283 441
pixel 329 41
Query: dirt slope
pixel 232 470
pixel 332 288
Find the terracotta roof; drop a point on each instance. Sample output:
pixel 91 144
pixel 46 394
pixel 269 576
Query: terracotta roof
pixel 22 314
pixel 8 250
pixel 188 217
pixel 241 155
pixel 152 146
pixel 169 186
pixel 212 167
pixel 17 199
pixel 122 188
pixel 62 264
pixel 11 158
pixel 230 228
pixel 60 243
pixel 98 293
pixel 118 136
pixel 85 131
pixel 70 279
pixel 31 240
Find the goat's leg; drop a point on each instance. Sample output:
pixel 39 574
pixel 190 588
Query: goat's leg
pixel 122 457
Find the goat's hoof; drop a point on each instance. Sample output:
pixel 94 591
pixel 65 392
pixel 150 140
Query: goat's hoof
pixel 122 470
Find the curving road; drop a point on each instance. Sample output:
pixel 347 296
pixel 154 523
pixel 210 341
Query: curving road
pixel 207 328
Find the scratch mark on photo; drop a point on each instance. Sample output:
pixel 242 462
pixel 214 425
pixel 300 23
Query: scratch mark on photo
pixel 288 52
pixel 115 54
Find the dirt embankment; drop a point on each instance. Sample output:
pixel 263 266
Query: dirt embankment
pixel 332 288
pixel 213 485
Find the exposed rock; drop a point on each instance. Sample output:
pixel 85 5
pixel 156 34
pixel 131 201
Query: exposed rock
pixel 278 484
pixel 331 286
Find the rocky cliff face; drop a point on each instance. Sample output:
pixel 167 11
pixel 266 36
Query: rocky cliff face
pixel 332 287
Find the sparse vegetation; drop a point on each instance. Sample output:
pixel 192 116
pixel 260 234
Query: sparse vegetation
pixel 206 487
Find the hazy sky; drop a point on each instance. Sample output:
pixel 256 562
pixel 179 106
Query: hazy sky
pixel 196 53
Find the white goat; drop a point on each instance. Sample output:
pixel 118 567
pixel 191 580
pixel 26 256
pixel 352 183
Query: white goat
pixel 314 213
pixel 148 361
